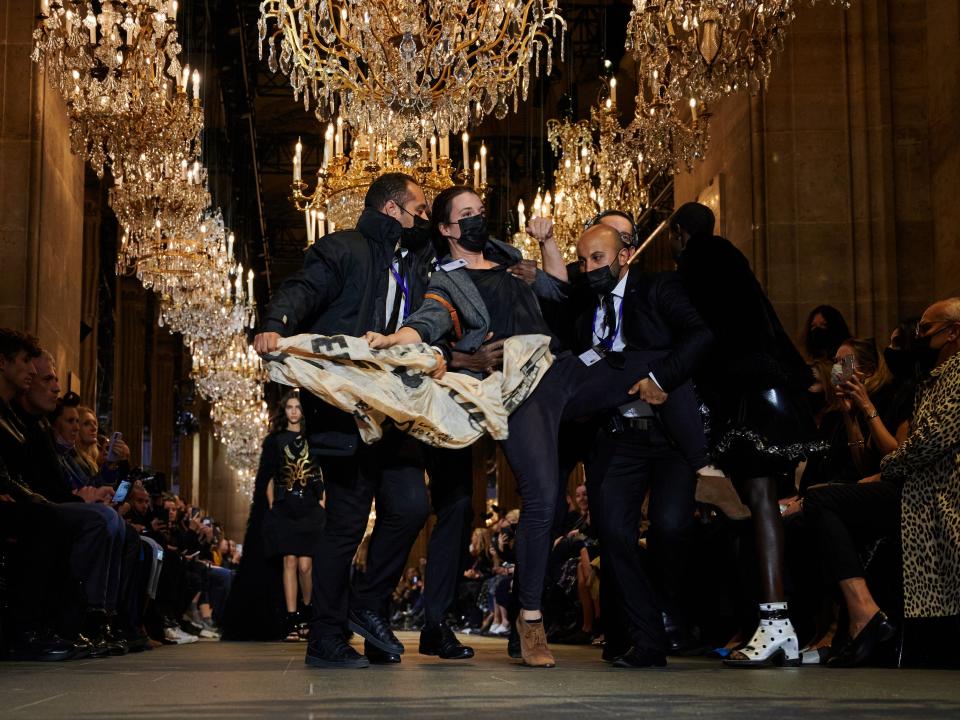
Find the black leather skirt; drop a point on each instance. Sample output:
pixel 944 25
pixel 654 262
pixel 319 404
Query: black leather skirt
pixel 764 433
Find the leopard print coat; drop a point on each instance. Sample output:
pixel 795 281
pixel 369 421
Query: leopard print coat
pixel 928 466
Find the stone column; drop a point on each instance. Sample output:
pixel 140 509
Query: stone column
pixel 165 347
pixel 90 298
pixel 129 367
pixel 41 198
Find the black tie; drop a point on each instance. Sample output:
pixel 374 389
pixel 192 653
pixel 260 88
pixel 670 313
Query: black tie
pixel 398 295
pixel 609 320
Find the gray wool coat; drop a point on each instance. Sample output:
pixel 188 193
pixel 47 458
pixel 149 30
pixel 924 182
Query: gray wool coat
pixel 453 310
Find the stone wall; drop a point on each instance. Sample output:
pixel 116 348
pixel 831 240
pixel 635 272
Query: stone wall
pixel 41 198
pixel 838 180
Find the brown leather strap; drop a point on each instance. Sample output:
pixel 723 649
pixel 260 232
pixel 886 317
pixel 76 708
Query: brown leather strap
pixel 450 309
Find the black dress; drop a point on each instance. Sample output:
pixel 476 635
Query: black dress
pixel 755 384
pixel 297 518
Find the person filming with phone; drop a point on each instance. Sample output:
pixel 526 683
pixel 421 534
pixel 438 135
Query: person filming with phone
pixel 864 415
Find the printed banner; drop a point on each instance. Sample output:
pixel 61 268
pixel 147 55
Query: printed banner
pixel 377 385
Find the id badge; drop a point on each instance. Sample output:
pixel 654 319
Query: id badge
pixel 590 357
pixel 453 265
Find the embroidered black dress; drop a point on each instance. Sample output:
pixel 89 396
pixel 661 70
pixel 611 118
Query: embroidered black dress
pixel 297 517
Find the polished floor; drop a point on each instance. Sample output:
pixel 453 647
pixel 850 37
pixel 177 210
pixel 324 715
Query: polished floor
pixel 243 680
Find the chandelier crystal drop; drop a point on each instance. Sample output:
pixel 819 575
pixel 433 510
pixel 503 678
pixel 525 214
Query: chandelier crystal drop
pixel 391 64
pixel 118 70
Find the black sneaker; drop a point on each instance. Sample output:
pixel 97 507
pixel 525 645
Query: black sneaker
pixel 375 630
pixel 438 639
pixel 330 651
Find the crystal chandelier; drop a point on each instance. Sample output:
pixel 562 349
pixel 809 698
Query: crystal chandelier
pixel 167 251
pixel 706 49
pixel 664 136
pixel 216 306
pixel 119 72
pixel 155 207
pixel 395 65
pixel 342 180
pixel 597 170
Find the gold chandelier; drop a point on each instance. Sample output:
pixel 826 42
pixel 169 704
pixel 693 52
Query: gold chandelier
pixel 706 49
pixel 597 170
pixel 160 211
pixel 218 305
pixel 119 72
pixel 342 180
pixel 384 63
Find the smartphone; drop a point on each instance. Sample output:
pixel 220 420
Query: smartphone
pixel 121 494
pixel 111 457
pixel 848 365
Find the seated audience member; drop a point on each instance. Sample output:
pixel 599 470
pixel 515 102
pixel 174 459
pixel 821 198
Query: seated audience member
pixel 861 419
pixel 825 331
pixel 96 454
pixel 918 497
pixel 96 531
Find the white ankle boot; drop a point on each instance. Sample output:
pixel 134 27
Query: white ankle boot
pixel 773 643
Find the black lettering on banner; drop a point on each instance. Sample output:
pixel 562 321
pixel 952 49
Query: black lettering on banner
pixel 475 415
pixel 528 372
pixel 412 380
pixel 335 346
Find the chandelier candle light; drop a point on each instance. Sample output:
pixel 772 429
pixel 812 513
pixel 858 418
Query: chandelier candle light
pixel 343 179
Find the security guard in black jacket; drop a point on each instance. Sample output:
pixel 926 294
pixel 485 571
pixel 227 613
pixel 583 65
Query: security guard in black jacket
pixel 353 281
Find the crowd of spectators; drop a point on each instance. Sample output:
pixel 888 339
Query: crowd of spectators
pixel 97 557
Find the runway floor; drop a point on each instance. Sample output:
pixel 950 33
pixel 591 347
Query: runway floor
pixel 246 680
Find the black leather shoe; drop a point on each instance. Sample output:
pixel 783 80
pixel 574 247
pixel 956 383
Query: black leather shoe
pixel 375 630
pixel 118 646
pixel 858 651
pixel 330 651
pixel 642 658
pixel 438 639
pixel 376 656
pixel 614 649
pixel 43 646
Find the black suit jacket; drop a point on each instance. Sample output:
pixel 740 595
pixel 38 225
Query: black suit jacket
pixel 342 287
pixel 342 290
pixel 657 315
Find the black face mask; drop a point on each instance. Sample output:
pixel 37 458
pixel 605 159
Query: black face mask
pixel 603 279
pixel 474 233
pixel 901 362
pixel 819 343
pixel 414 238
pixel 924 356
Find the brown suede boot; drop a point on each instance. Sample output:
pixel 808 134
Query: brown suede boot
pixel 718 490
pixel 533 644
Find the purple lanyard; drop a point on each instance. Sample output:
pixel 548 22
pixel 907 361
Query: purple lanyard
pixel 607 343
pixel 403 288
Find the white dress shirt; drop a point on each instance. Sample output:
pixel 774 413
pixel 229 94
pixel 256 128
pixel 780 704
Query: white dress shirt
pixel 637 408
pixel 392 289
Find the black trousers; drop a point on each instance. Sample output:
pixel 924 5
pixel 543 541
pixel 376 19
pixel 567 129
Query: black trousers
pixel 620 470
pixel 451 495
pixel 842 518
pixel 569 390
pixel 391 472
